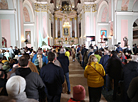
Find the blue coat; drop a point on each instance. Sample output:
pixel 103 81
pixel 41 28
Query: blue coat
pixel 45 60
pixel 104 61
pixel 53 78
pixel 64 61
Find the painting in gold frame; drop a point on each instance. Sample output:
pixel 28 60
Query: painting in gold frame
pixel 28 36
pixel 66 31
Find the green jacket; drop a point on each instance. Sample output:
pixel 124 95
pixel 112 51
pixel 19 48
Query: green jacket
pixel 98 57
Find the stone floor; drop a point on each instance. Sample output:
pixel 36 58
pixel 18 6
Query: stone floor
pixel 77 78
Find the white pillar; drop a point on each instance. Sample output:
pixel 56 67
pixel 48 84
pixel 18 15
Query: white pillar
pixel 56 31
pixel 35 32
pixel 21 25
pixel 71 27
pixel 61 28
pixel 75 28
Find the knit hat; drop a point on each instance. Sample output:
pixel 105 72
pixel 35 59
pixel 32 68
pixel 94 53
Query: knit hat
pixel 79 92
pixel 3 61
pixel 15 85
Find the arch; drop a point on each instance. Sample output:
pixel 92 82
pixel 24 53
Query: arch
pixel 102 6
pixel 28 5
pixel 135 6
pixel 134 20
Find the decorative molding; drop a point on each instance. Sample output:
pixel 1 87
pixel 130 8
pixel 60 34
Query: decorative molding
pixel 103 23
pixel 126 13
pixel 7 11
pixel 29 24
pixel 39 7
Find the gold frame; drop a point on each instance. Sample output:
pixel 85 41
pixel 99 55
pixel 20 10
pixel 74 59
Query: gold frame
pixel 68 31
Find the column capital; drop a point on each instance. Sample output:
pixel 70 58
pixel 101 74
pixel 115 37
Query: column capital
pixel 55 18
pixel 60 19
pixel 70 19
pixel 75 18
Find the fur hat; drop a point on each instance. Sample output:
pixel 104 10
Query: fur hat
pixel 62 50
pixel 134 58
pixel 15 85
pixel 79 93
pixel 16 57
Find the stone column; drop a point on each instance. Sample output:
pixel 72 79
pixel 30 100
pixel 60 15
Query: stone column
pixel 75 28
pixel 71 27
pixel 56 28
pixel 19 24
pixel 61 28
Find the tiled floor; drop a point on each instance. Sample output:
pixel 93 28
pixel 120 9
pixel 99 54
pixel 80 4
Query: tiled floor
pixel 77 78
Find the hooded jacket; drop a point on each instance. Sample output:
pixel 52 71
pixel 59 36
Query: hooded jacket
pixel 94 79
pixel 34 82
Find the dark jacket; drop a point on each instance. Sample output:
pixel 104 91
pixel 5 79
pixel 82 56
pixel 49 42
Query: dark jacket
pixel 114 67
pixel 64 61
pixel 83 50
pixel 130 71
pixel 34 84
pixel 104 61
pixel 119 49
pixel 53 77
pixel 133 90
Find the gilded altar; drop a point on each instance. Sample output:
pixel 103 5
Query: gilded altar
pixel 65 28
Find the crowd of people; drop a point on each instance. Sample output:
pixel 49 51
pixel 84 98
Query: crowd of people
pixel 31 76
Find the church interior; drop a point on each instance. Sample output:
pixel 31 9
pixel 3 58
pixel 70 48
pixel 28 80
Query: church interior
pixel 31 25
pixel 68 22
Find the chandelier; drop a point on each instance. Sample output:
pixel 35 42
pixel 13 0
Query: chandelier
pixel 66 25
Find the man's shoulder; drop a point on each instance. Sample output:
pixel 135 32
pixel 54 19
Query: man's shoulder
pixel 33 74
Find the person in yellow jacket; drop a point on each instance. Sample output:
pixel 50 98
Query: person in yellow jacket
pixel 67 53
pixel 94 72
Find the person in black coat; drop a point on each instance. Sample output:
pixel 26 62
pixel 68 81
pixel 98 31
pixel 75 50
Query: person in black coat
pixel 114 70
pixel 133 90
pixel 53 78
pixel 64 61
pixel 130 71
pixel 3 80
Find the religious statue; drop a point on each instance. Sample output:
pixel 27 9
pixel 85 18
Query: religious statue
pixel 125 41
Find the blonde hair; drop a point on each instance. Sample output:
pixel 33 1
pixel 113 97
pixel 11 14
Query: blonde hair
pixel 92 58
